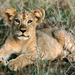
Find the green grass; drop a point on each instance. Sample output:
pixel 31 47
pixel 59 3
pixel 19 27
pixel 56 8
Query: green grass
pixel 63 17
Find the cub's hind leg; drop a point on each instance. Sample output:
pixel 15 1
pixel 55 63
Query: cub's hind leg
pixel 67 40
pixel 59 35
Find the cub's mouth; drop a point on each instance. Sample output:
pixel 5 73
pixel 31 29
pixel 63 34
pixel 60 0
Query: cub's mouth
pixel 23 37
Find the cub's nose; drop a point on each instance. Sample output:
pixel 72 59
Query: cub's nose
pixel 23 28
pixel 23 31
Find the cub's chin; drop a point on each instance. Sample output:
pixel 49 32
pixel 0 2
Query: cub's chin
pixel 23 38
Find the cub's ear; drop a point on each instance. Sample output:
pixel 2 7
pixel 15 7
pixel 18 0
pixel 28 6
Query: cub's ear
pixel 39 15
pixel 9 14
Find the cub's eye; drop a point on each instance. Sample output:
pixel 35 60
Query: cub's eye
pixel 17 20
pixel 29 21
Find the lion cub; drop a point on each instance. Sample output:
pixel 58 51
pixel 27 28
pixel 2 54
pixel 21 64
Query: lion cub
pixel 30 43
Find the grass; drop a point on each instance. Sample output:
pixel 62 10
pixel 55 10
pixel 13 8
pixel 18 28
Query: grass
pixel 60 13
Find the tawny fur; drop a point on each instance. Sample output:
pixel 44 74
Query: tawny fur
pixel 30 43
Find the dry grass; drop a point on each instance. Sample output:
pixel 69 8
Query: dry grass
pixel 60 13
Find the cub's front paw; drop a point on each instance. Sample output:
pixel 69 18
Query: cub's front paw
pixel 14 65
pixel 3 61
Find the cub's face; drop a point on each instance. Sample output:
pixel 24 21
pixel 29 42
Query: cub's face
pixel 23 23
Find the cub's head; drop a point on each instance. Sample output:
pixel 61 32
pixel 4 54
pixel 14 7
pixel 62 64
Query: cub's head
pixel 23 23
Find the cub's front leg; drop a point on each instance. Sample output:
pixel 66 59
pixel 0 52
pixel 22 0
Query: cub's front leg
pixel 21 61
pixel 4 54
pixel 7 49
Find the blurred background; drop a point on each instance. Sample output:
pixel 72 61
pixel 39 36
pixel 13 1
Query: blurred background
pixel 59 13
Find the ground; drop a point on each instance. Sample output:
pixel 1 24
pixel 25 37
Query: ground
pixel 59 13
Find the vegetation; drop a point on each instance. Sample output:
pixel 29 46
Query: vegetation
pixel 60 13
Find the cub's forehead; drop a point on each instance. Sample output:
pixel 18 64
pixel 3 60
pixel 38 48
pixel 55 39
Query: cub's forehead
pixel 24 14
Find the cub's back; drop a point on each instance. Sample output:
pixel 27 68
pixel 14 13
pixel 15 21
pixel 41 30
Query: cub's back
pixel 48 46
